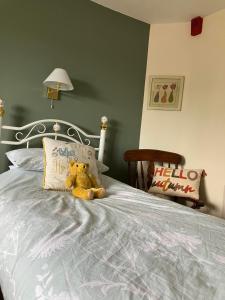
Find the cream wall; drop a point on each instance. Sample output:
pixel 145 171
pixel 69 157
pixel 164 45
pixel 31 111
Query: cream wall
pixel 198 131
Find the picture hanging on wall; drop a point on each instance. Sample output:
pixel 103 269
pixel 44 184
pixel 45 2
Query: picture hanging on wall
pixel 166 92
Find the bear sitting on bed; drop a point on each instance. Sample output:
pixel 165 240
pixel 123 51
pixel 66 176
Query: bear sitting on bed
pixel 83 184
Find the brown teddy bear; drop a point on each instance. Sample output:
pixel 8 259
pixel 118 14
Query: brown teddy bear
pixel 83 184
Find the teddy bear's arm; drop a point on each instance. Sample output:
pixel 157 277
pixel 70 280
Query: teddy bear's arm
pixel 70 181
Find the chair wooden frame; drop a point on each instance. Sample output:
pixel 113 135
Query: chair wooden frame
pixel 136 175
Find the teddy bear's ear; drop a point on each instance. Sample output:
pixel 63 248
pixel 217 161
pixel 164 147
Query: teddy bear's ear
pixel 71 163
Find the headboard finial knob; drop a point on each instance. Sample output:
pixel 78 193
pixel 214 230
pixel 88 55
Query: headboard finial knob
pixel 104 122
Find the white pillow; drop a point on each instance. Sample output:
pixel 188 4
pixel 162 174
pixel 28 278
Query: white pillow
pixel 58 154
pixel 30 159
pixel 102 168
pixel 12 167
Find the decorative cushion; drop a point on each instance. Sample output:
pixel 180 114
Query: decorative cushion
pixel 58 154
pixel 30 159
pixel 176 182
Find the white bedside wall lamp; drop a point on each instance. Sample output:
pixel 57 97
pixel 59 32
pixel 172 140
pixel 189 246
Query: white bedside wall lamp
pixel 57 81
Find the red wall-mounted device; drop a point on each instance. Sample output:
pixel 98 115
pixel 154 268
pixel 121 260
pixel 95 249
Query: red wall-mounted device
pixel 196 26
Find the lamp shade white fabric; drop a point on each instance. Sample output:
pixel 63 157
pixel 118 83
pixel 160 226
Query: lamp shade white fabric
pixel 59 79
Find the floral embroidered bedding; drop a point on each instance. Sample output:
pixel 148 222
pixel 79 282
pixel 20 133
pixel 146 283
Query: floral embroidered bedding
pixel 129 245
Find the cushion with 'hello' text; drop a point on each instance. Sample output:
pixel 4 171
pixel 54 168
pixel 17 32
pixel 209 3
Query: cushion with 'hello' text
pixel 176 182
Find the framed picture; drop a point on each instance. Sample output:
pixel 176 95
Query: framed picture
pixel 166 92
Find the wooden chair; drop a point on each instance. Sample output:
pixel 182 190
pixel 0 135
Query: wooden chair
pixel 141 164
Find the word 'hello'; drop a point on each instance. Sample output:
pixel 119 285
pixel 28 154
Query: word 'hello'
pixel 176 173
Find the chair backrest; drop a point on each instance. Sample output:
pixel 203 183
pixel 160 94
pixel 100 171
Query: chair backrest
pixel 141 164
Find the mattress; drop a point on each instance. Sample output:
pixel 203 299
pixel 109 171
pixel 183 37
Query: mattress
pixel 129 245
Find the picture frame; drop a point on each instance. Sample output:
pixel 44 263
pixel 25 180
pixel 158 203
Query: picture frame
pixel 166 92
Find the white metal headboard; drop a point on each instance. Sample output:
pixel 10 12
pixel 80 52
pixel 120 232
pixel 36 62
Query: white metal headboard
pixel 53 128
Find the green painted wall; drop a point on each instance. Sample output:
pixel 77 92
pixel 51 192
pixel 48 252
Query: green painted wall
pixel 104 52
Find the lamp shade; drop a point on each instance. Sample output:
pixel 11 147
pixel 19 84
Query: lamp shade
pixel 59 79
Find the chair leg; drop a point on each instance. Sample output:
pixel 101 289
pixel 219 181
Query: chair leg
pixel 194 205
pixel 1 296
pixel 197 204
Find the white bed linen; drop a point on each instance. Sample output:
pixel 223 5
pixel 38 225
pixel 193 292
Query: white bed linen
pixel 128 245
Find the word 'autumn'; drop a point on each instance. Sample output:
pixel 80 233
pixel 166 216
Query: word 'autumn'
pixel 176 173
pixel 167 184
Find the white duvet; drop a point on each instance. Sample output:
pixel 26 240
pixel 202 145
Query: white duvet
pixel 128 245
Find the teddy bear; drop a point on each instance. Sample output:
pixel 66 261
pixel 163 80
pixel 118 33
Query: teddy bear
pixel 82 183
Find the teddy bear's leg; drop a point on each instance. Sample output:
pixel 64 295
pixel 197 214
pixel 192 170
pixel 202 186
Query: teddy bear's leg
pixel 99 192
pixel 84 194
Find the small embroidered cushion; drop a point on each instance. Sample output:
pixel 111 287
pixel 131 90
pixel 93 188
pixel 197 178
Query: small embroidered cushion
pixel 176 182
pixel 58 154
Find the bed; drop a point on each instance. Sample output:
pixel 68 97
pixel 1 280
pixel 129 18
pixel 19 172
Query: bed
pixel 128 245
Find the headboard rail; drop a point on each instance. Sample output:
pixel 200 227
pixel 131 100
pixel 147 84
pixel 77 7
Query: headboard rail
pixel 44 122
pixel 53 128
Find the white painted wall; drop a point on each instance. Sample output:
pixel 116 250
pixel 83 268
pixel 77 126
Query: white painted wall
pixel 198 131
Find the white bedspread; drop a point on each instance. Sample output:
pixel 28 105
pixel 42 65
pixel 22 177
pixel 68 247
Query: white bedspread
pixel 127 246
